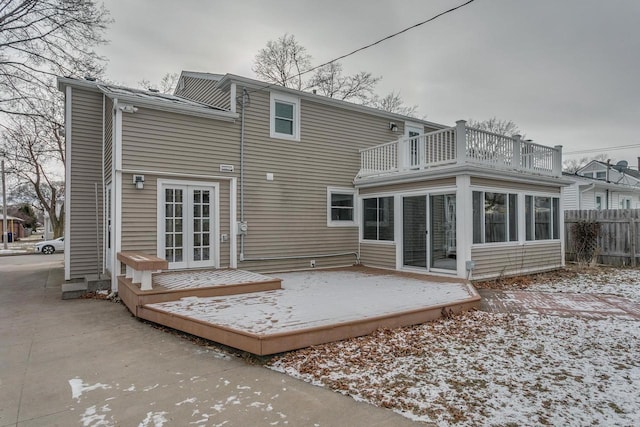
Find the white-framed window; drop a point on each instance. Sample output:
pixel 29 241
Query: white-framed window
pixel 495 217
pixel 542 217
pixel 377 218
pixel 285 117
pixel 598 202
pixel 625 203
pixel 601 175
pixel 341 207
pixel 588 174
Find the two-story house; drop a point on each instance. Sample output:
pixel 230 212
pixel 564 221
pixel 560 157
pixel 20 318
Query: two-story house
pixel 231 172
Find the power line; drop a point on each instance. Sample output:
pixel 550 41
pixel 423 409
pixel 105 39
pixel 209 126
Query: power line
pixel 433 18
pixel 598 150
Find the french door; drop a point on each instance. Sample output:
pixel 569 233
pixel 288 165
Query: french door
pixel 188 238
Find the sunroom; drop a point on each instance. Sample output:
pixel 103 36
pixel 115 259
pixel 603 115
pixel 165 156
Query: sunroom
pixel 473 216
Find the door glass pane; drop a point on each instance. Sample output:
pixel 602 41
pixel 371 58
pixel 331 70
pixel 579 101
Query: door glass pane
pixel 173 224
pixel 443 244
pixel 414 226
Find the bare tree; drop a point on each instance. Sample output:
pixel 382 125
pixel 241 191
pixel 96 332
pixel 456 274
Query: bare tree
pixel 329 81
pixel 41 39
pixel 282 61
pixel 167 83
pixel 495 125
pixel 34 150
pixel 394 103
pixel 44 38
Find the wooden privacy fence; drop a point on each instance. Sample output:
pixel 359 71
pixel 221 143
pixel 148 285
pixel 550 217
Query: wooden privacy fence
pixel 614 240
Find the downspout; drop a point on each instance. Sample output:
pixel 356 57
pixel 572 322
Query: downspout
pixel 242 105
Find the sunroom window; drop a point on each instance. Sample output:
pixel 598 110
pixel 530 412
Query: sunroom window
pixel 495 217
pixel 377 219
pixel 542 216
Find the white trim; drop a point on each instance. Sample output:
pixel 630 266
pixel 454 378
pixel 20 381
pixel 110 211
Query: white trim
pixel 116 195
pixel 104 195
pixel 286 99
pixel 342 190
pixel 233 219
pixel 464 223
pixel 67 187
pixel 232 98
pixel 413 126
pixel 392 196
pixel 215 218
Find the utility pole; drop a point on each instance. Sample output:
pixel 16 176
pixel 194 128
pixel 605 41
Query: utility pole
pixel 4 209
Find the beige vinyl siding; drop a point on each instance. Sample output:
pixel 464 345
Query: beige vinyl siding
pixel 410 186
pixel 85 166
pixel 512 185
pixel 507 260
pixel 139 216
pixel 108 138
pixel 204 90
pixel 169 142
pixel 177 144
pixel 287 217
pixel 378 255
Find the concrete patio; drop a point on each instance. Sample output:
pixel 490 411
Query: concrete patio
pixel 89 362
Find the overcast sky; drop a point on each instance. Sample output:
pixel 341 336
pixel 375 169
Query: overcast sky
pixel 565 71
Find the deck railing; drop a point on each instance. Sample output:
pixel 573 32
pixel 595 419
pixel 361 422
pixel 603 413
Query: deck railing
pixel 460 145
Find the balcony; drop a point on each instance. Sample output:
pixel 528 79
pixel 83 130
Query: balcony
pixel 459 146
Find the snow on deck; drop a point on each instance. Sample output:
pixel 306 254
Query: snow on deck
pixel 207 278
pixel 318 298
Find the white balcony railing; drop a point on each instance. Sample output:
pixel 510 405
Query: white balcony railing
pixel 460 145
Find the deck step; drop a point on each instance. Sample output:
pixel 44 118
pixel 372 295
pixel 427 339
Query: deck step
pixel 74 290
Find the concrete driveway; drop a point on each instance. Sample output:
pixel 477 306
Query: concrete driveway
pixel 90 363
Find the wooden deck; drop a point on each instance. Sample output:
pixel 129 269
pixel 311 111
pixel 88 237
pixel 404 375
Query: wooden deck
pixel 173 286
pixel 271 319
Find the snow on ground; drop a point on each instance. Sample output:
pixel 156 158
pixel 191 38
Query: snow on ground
pixel 316 298
pixel 494 369
pixel 599 280
pixel 622 282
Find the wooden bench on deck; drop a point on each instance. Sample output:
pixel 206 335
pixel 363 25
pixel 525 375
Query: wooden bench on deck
pixel 140 266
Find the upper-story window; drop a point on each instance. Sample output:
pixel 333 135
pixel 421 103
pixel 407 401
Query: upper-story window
pixel 601 175
pixel 285 117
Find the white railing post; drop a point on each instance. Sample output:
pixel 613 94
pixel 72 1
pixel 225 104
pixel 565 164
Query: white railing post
pixel 461 141
pixel 516 161
pixel 557 160
pixel 402 151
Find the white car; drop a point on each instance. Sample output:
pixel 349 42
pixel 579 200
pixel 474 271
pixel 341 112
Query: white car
pixel 50 246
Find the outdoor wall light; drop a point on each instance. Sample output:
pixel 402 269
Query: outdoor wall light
pixel 128 108
pixel 393 127
pixel 138 180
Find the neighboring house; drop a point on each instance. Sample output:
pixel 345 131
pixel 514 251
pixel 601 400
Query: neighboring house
pixel 599 185
pixel 14 226
pixel 231 172
pixel 591 193
pixel 619 173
